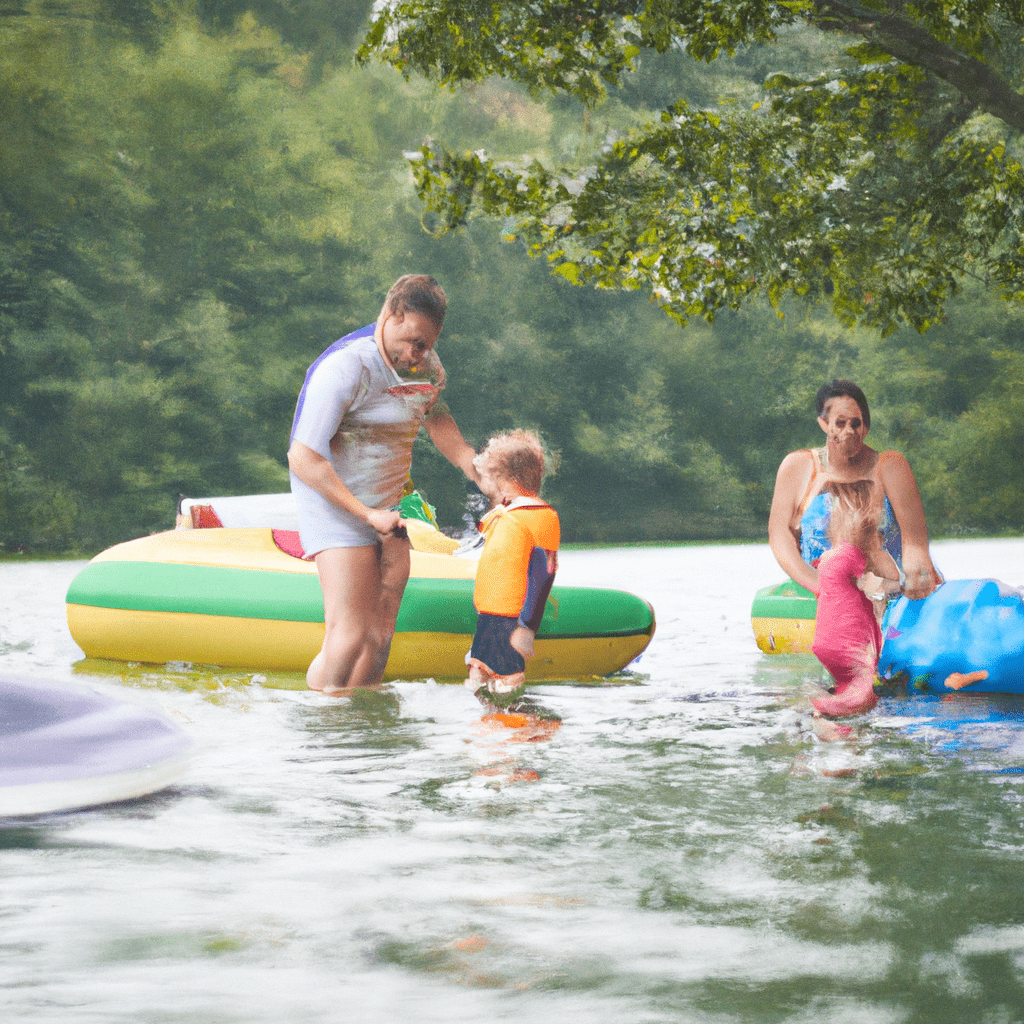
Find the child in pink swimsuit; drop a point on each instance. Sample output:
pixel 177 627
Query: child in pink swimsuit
pixel 847 638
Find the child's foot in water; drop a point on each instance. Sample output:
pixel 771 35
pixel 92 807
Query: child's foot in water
pixel 856 698
pixel 828 731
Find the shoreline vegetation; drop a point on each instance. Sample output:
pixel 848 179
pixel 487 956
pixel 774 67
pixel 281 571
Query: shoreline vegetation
pixel 193 210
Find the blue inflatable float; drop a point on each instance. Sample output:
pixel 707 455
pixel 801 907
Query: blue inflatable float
pixel 61 749
pixel 968 635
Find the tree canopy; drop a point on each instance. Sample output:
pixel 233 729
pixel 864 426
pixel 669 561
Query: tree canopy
pixel 877 185
pixel 195 200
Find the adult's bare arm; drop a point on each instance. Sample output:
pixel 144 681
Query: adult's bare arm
pixel 901 488
pixel 317 472
pixel 448 440
pixel 790 483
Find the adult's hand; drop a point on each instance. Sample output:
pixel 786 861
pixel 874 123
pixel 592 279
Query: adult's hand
pixel 921 576
pixel 317 472
pixel 384 521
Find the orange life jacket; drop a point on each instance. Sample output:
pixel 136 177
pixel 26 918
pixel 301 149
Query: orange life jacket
pixel 519 560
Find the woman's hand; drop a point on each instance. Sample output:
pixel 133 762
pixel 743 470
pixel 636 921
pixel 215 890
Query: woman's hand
pixel 921 576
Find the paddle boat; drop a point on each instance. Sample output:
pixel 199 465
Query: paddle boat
pixel 967 635
pixel 230 587
pixel 62 749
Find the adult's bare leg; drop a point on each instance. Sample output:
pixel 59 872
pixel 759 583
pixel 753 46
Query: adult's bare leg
pixel 351 584
pixel 394 575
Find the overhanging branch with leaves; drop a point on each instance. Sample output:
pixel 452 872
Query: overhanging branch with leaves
pixel 868 186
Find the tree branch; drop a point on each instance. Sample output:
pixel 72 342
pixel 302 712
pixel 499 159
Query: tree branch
pixel 913 45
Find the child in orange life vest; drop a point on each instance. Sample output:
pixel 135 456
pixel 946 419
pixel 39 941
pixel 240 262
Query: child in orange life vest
pixel 518 563
pixel 852 574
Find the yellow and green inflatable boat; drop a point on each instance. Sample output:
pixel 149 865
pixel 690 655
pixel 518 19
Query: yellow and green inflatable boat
pixel 233 597
pixel 782 616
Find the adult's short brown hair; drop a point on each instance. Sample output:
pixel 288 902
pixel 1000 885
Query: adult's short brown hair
pixel 418 293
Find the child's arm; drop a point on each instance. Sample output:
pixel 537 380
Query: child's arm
pixel 878 587
pixel 540 577
pixel 881 579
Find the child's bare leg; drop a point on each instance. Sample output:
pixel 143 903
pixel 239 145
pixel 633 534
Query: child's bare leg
pixel 859 696
pixel 506 684
pixel 854 674
pixel 481 678
pixel 477 677
pixel 828 731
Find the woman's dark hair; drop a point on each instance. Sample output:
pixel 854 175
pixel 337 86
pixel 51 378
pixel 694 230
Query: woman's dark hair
pixel 841 388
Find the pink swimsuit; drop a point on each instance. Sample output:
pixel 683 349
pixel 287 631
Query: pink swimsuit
pixel 847 640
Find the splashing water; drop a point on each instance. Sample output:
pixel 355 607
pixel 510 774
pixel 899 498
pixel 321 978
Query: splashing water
pixel 470 538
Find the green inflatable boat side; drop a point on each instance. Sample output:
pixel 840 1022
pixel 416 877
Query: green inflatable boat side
pixel 429 605
pixel 784 601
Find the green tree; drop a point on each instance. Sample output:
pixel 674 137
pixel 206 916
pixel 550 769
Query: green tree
pixel 875 184
pixel 174 209
pixel 196 200
pixel 595 373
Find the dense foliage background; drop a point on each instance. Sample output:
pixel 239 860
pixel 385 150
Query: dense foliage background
pixel 196 199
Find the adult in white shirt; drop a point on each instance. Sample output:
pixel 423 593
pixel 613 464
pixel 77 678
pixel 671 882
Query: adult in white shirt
pixel 361 406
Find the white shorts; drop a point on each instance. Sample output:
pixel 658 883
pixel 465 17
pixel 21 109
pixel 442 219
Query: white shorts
pixel 323 525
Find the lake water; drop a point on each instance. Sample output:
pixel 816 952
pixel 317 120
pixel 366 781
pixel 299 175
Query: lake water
pixel 680 849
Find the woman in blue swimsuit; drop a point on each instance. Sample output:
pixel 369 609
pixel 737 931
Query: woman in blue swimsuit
pixel 798 524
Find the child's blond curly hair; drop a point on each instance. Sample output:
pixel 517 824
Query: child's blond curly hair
pixel 855 514
pixel 518 455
